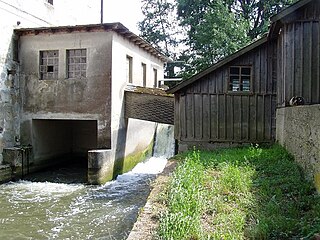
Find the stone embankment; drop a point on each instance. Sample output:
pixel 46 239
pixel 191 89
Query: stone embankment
pixel 147 223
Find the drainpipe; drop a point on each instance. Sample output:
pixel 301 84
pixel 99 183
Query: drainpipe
pixel 101 12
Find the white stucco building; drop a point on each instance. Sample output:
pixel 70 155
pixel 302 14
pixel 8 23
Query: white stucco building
pixel 15 14
pixel 67 98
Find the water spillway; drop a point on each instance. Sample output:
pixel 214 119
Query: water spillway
pixel 50 210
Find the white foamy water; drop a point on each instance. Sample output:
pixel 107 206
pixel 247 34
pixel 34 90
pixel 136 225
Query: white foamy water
pixel 164 143
pixel 46 210
pixel 154 165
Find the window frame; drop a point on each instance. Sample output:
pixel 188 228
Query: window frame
pixel 75 64
pixel 241 76
pixel 129 69
pixel 144 74
pixel 155 77
pixel 44 65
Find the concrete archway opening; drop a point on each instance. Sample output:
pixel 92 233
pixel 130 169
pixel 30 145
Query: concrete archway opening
pixel 62 142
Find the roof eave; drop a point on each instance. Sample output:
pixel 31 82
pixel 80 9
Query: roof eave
pixel 219 64
pixel 117 27
pixel 289 10
pixel 274 30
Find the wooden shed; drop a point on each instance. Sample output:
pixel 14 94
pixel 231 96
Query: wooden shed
pixel 297 30
pixel 235 100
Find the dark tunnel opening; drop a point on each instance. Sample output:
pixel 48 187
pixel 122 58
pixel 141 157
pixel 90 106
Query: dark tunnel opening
pixel 60 149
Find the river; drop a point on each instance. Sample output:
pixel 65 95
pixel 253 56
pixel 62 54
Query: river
pixel 55 210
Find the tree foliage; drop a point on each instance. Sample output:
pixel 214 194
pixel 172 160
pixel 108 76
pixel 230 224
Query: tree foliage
pixel 213 32
pixel 208 29
pixel 257 12
pixel 159 26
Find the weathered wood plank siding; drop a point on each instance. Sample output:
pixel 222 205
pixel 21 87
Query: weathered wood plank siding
pixel 298 56
pixel 207 112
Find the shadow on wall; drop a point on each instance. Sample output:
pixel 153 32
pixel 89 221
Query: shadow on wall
pixel 120 149
pixel 124 163
pixel 9 104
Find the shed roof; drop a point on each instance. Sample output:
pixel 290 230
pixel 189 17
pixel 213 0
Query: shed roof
pixel 218 65
pixel 275 19
pixel 287 11
pixel 116 27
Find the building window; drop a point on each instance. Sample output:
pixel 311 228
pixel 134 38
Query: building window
pixel 144 74
pixel 155 78
pixel 240 79
pixel 50 2
pixel 76 63
pixel 49 64
pixel 129 69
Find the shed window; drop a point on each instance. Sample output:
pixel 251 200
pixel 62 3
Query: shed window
pixel 240 79
pixel 49 64
pixel 77 63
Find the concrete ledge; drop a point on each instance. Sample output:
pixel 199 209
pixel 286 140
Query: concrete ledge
pixel 100 166
pixel 148 220
pixel 5 173
pixel 12 156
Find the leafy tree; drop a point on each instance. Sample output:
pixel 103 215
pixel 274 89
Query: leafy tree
pixel 217 28
pixel 216 32
pixel 159 26
pixel 201 32
pixel 257 12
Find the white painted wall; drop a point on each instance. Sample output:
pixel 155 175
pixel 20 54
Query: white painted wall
pixel 39 13
pixel 82 99
pixel 139 133
pixel 25 14
pixel 98 97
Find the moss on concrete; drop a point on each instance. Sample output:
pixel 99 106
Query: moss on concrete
pixel 153 91
pixel 133 159
pixel 105 177
pixel 130 161
pixel 5 173
pixel 98 176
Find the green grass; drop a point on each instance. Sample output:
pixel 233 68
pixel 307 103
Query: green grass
pixel 242 193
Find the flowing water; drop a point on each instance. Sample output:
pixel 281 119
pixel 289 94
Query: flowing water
pixel 51 210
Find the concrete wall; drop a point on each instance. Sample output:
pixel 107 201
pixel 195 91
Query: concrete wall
pixel 121 48
pixel 9 95
pixel 56 138
pixel 39 13
pixel 298 130
pixel 98 97
pixel 130 137
pixel 21 14
pixel 78 99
